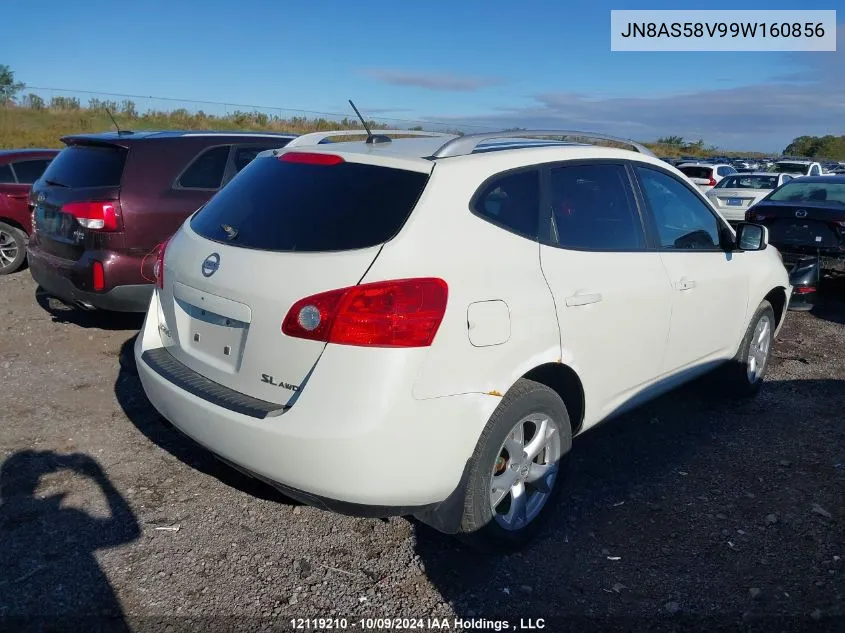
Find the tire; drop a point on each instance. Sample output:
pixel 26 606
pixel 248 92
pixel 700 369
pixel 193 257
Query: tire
pixel 12 248
pixel 744 375
pixel 530 406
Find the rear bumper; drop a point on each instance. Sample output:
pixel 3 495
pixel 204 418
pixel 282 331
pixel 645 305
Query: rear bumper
pixel 355 442
pixel 61 279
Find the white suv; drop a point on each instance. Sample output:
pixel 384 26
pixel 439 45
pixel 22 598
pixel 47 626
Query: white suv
pixel 706 175
pixel 421 325
pixel 797 168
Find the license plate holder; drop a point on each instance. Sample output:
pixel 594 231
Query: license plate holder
pixel 215 338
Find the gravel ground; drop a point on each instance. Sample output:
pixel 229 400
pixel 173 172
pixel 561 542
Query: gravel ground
pixel 692 512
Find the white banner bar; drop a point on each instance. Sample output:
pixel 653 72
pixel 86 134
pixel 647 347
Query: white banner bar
pixel 686 30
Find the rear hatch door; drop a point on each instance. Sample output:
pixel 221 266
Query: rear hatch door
pixel 698 175
pixel 82 172
pixel 279 232
pixel 803 226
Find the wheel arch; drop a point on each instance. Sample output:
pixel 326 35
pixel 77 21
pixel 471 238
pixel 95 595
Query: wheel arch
pixel 562 379
pixel 777 297
pixel 7 220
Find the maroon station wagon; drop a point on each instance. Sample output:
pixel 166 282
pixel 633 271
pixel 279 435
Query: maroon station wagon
pixel 108 199
pixel 19 168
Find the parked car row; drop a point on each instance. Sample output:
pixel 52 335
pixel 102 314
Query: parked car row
pixel 18 170
pixel 735 194
pixel 805 219
pixel 322 316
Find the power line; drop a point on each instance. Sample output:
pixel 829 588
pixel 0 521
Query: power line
pixel 227 104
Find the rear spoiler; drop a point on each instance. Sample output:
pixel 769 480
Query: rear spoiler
pixel 81 139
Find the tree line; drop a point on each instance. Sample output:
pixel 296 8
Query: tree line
pixel 829 146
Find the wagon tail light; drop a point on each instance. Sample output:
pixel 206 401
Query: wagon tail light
pixel 99 216
pixel 158 268
pixel 152 266
pixel 399 313
pixel 712 182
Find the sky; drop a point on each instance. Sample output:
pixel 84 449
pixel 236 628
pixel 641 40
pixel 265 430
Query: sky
pixel 469 64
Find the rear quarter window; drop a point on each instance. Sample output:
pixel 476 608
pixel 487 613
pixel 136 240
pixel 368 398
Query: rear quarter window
pixel 511 201
pixel 28 171
pixel 281 206
pixel 207 169
pixel 6 175
pixel 87 166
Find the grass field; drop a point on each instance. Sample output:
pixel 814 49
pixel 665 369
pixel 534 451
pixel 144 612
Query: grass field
pixel 44 127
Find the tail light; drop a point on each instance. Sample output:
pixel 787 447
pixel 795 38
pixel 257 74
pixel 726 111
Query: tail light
pixel 712 181
pixel 100 216
pixel 155 272
pixel 158 268
pixel 399 313
pixel 98 275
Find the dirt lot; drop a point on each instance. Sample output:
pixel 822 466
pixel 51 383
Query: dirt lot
pixel 694 512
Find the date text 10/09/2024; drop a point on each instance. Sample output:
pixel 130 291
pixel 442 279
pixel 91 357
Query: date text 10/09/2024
pixel 416 624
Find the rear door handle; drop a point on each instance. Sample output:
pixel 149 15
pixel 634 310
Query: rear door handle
pixel 583 299
pixel 685 284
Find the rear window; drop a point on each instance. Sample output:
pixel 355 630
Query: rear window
pixel 87 166
pixel 696 172
pixel 279 206
pixel 802 191
pixel 748 182
pixel 790 168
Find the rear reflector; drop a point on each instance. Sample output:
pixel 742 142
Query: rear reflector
pixel 100 216
pixel 311 158
pixel 400 313
pixel 98 275
pixel 803 290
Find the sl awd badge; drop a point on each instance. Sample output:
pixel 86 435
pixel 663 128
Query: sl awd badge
pixel 210 265
pixel 270 380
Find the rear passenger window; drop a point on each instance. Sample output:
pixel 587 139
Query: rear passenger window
pixel 6 175
pixel 513 202
pixel 28 171
pixel 593 208
pixel 206 172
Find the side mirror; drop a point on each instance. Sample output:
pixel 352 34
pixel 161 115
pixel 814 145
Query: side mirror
pixel 751 237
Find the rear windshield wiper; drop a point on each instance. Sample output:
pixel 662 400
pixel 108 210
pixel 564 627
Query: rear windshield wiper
pixel 53 183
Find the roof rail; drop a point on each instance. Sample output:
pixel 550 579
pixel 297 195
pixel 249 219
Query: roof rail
pixel 463 145
pixel 315 138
